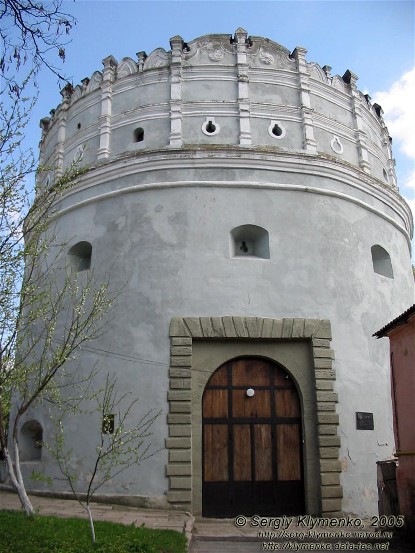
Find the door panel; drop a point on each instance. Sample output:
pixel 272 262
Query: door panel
pixel 215 438
pixel 252 446
pixel 288 452
pixel 257 406
pixel 263 452
pixel 215 404
pixel 242 453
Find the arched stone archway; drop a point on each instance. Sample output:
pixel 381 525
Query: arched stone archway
pixel 200 345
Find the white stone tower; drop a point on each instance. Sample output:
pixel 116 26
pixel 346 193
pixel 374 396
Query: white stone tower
pixel 249 201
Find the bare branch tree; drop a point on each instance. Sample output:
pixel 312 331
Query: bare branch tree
pixel 32 36
pixel 58 310
pixel 121 443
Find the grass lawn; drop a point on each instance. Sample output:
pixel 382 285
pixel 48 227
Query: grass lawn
pixel 41 534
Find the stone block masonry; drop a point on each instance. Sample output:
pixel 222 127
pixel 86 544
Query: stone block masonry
pixel 183 330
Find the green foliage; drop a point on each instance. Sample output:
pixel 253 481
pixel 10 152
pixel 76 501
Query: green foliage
pixel 20 534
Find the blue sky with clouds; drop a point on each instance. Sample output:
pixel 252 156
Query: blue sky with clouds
pixel 374 39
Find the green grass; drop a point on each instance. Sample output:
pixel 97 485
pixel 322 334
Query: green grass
pixel 41 534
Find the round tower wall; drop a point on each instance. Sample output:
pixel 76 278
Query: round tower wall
pixel 161 212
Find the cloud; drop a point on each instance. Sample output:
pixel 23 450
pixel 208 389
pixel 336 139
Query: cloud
pixel 399 115
pixel 399 111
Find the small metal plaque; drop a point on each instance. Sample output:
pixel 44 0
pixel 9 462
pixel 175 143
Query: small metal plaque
pixel 364 421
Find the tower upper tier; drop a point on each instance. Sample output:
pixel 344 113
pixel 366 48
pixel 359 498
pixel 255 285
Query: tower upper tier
pixel 239 92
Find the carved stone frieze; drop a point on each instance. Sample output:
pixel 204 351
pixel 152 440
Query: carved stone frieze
pixel 95 81
pixel 266 58
pixel 317 73
pixel 337 82
pixel 262 53
pixel 77 93
pixel 127 66
pixel 158 58
pixel 216 55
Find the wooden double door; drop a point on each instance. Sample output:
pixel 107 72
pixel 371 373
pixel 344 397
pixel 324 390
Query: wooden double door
pixel 252 443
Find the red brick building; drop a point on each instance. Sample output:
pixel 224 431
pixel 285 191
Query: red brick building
pixel 401 333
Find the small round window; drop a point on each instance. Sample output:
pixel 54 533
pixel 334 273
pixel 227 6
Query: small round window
pixel 210 127
pixel 277 130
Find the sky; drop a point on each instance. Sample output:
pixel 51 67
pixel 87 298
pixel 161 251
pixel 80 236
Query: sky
pixel 372 38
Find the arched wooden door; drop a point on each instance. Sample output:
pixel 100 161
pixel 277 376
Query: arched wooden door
pixel 252 444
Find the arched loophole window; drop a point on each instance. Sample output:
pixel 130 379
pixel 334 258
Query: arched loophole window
pixel 210 127
pixel 139 135
pixel 381 260
pixel 250 241
pixel 277 130
pixel 80 256
pixel 31 438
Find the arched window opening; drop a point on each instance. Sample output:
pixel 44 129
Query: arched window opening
pixel 80 256
pixel 139 135
pixel 250 241
pixel 381 260
pixel 277 130
pixel 210 127
pixel 31 438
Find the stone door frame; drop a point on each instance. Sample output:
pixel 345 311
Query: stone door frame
pixel 182 470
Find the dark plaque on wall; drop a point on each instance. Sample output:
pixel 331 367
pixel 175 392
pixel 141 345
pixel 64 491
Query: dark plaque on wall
pixel 364 421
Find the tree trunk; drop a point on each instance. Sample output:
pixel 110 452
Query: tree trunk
pixel 91 523
pixel 17 480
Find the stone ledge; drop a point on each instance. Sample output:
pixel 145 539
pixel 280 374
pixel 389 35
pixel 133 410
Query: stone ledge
pixel 330 465
pixel 326 407
pixel 181 361
pixel 329 441
pixel 330 505
pixel 325 429
pixel 179 496
pixel 323 363
pixel 176 351
pixel 178 443
pixel 178 430
pixel 179 418
pixel 322 352
pixel 181 341
pixel 180 384
pixel 328 418
pixel 320 343
pixel 174 469
pixel 185 328
pixel 331 491
pixel 325 385
pixel 327 396
pixel 182 483
pixel 330 479
pixel 176 372
pixel 180 456
pixel 180 407
pixel 329 452
pixel 325 374
pixel 179 395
